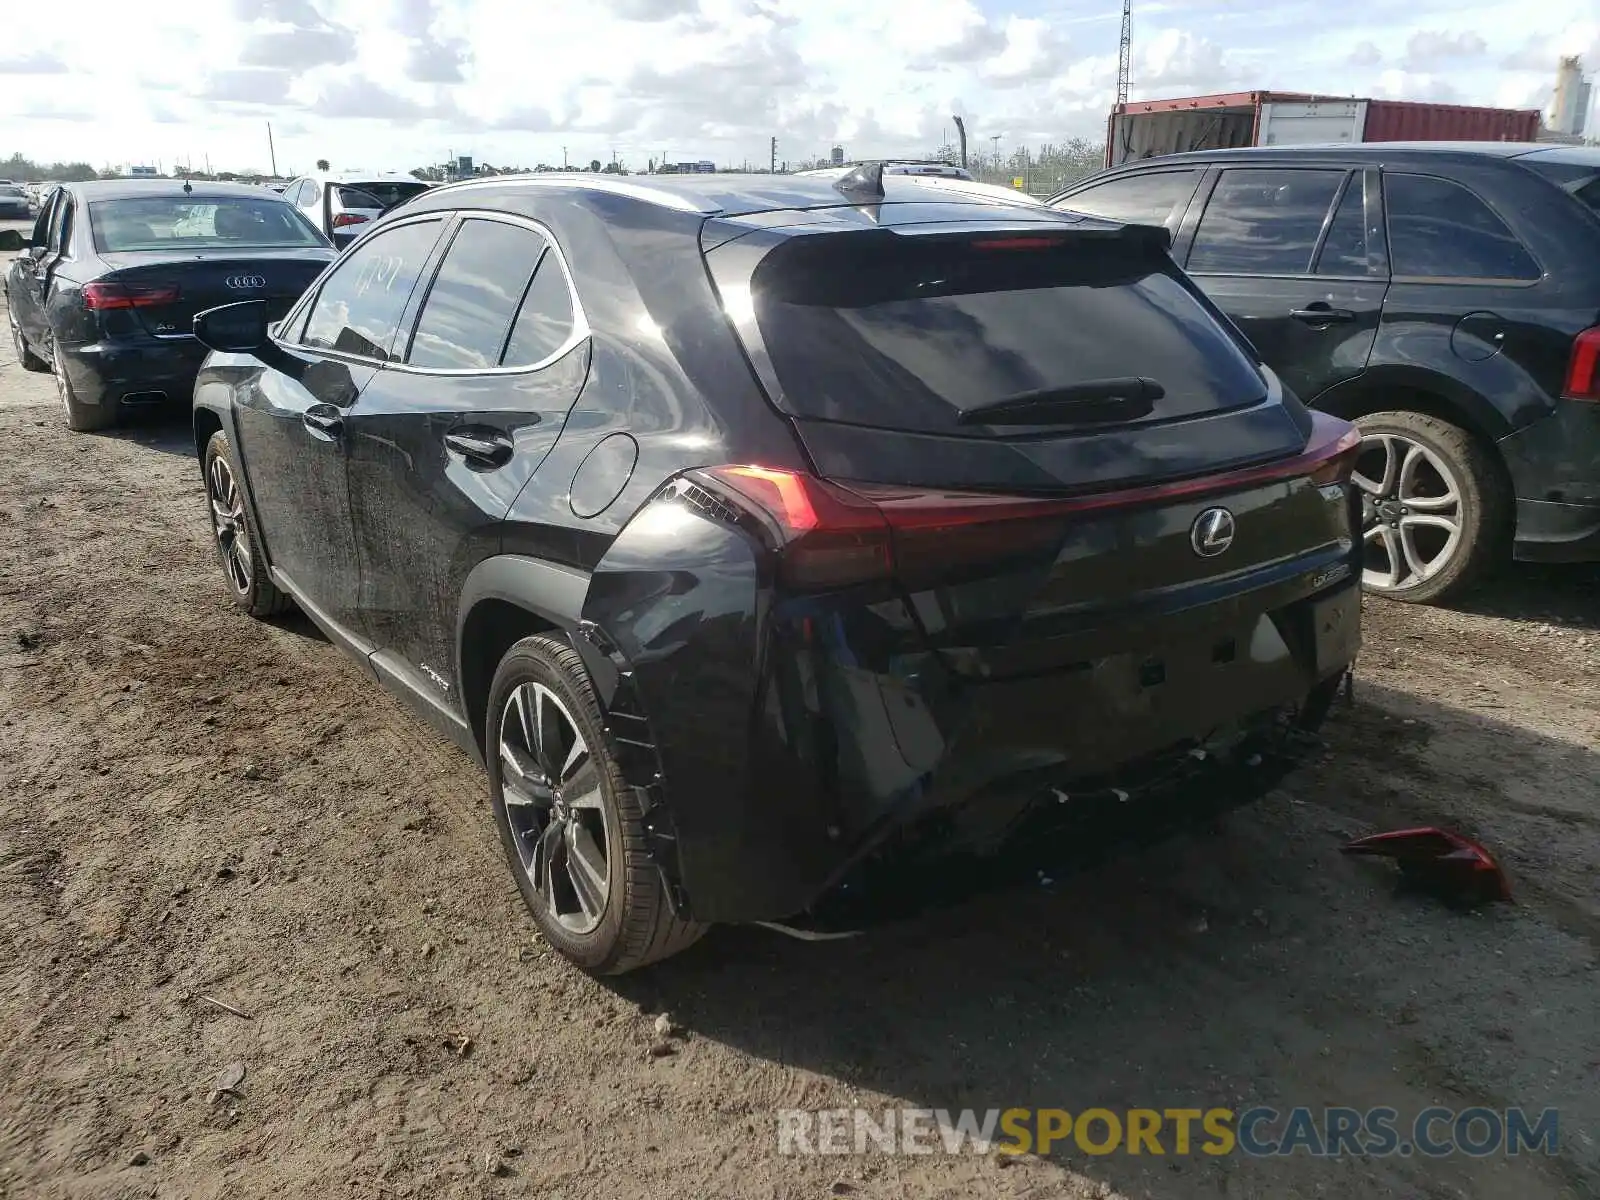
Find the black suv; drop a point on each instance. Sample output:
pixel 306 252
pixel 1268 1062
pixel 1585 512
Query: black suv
pixel 1445 296
pixel 752 530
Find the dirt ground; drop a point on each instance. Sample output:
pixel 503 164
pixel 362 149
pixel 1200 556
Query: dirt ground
pixel 193 804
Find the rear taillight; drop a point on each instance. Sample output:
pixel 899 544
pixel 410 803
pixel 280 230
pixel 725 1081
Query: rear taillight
pixel 833 535
pixel 340 220
pixel 122 295
pixel 830 536
pixel 1583 368
pixel 1340 460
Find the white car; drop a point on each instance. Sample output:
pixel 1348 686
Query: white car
pixel 340 203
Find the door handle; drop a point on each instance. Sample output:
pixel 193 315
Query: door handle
pixel 1321 314
pixel 480 449
pixel 326 424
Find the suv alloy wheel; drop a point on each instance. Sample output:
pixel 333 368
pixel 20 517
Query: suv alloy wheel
pixel 1435 512
pixel 571 826
pixel 233 532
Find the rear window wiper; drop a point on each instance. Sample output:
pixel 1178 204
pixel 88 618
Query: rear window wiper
pixel 1093 401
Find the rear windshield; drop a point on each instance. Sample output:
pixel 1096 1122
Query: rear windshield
pixel 387 193
pixel 912 332
pixel 1580 180
pixel 11 189
pixel 198 223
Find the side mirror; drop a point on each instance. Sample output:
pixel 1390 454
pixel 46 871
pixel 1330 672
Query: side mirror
pixel 233 328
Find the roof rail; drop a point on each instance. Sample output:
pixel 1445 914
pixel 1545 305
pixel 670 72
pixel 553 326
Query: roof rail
pixel 616 187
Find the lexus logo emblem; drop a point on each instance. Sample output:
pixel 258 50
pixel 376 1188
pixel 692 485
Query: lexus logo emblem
pixel 246 281
pixel 1212 532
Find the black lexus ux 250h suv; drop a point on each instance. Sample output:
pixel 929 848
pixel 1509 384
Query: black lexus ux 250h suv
pixel 750 530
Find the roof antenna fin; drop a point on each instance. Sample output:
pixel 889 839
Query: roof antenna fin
pixel 865 183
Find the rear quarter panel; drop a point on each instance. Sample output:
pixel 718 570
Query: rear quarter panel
pixel 666 372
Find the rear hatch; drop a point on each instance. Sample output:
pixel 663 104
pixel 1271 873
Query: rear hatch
pixel 163 293
pixel 1110 529
pixel 1052 359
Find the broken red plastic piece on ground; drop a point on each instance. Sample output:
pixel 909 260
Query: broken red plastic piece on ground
pixel 1456 869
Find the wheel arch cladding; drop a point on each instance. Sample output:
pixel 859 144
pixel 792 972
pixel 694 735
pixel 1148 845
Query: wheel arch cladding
pixel 206 424
pixel 505 599
pixel 1444 399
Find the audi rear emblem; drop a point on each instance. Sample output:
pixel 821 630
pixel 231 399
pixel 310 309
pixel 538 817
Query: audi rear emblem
pixel 246 281
pixel 1212 532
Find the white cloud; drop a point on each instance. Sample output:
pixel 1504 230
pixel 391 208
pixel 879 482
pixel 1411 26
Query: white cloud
pixel 1365 54
pixel 1432 46
pixel 399 82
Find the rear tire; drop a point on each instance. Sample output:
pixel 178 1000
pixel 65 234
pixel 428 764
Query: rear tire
pixel 25 356
pixel 1436 509
pixel 81 418
pixel 571 826
pixel 233 532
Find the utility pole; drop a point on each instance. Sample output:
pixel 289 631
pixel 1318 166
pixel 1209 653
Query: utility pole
pixel 563 158
pixel 995 138
pixel 1125 55
pixel 272 152
pixel 1124 71
pixel 774 165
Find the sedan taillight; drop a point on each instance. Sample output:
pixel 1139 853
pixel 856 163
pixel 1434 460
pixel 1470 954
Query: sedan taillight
pixel 122 295
pixel 1583 368
pixel 342 219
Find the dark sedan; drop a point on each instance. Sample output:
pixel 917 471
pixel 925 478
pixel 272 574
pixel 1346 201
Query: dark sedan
pixel 105 291
pixel 14 203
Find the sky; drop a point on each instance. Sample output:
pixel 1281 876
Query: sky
pixel 394 84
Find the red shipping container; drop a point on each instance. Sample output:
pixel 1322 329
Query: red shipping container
pixel 1406 121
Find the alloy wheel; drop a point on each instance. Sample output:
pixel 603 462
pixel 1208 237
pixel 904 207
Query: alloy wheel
pixel 550 782
pixel 1410 510
pixel 227 520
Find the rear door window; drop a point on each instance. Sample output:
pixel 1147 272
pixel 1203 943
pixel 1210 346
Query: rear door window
pixel 910 332
pixel 467 317
pixel 1263 222
pixel 1440 230
pixel 359 307
pixel 1149 198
